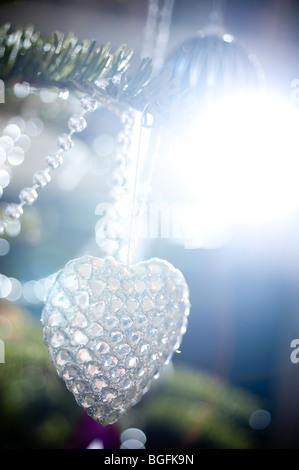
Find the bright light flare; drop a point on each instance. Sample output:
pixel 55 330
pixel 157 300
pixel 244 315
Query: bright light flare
pixel 240 161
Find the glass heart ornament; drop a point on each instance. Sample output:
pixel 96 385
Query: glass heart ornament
pixel 111 328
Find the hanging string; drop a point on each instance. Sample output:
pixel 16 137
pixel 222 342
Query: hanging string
pixel 152 153
pixel 134 196
pixel 157 32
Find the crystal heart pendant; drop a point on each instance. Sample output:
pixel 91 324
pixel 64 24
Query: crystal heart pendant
pixel 111 328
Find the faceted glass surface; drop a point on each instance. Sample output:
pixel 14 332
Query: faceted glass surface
pixel 110 329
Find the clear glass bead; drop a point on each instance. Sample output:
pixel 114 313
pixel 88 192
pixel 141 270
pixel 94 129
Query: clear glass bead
pixel 13 211
pixel 82 300
pixel 115 337
pixel 109 362
pixel 113 284
pixel 79 387
pixel 70 373
pixel 70 282
pixel 41 178
pixel 121 158
pixel 95 330
pixel 92 370
pixel 123 139
pixel 28 196
pixel 134 338
pixel 119 192
pixel 79 338
pixel 110 322
pixel 100 383
pixel 63 358
pixel 125 322
pixel 131 362
pixel 127 119
pixel 89 103
pixel 56 319
pixel 84 355
pixel 84 269
pixel 57 340
pixel 108 395
pixel 115 304
pixel 112 418
pixel 60 300
pixel 65 142
pixel 88 400
pixel 54 160
pixel 118 179
pixel 101 347
pixel 77 123
pixel 97 286
pixel 123 350
pixel 2 227
pixel 117 374
pixel 79 321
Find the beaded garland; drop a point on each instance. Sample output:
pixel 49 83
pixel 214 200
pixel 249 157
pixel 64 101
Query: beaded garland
pixel 28 195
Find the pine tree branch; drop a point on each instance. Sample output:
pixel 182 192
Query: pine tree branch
pixel 66 62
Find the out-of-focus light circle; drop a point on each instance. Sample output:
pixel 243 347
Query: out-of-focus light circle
pixel 6 325
pixel 101 166
pixel 2 155
pixel 12 130
pixel 32 377
pixel 6 143
pixel 69 178
pixel 49 281
pixel 19 121
pixel 22 90
pixel 260 419
pixel 132 444
pixel 16 156
pixel 51 110
pixel 13 228
pixel 5 286
pixel 133 433
pixel 4 247
pixel 24 142
pixel 28 292
pixel 1 192
pixel 16 290
pixel 34 127
pixel 228 38
pixel 40 291
pixel 103 145
pixel 4 178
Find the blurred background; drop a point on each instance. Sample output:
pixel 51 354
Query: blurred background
pixel 231 179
